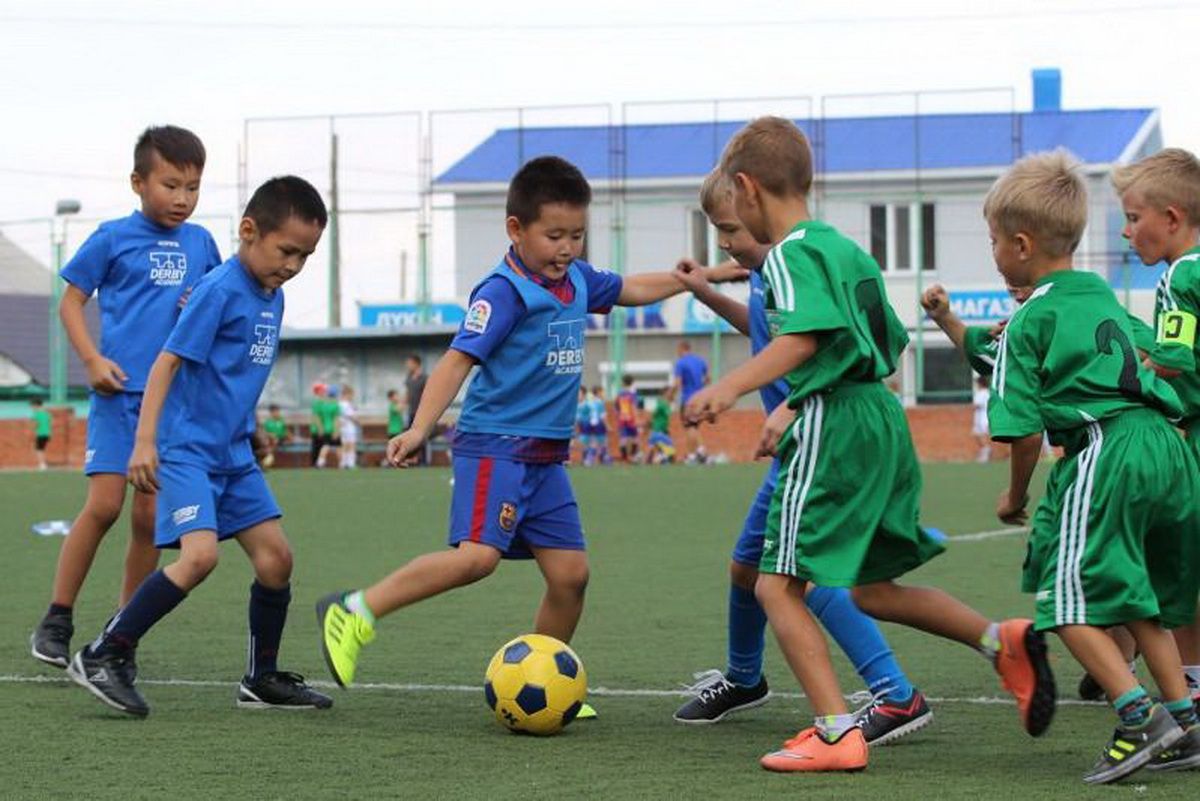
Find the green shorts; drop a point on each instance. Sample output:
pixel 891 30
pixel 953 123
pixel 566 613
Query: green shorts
pixel 1117 534
pixel 845 509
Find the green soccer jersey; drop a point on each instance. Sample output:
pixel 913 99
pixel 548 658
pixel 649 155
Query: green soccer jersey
pixel 660 419
pixel 980 349
pixel 276 427
pixel 1066 359
pixel 1176 308
pixel 395 419
pixel 41 422
pixel 329 412
pixel 315 427
pixel 819 282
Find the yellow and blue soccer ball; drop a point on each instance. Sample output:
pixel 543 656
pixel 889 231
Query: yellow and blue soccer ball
pixel 535 684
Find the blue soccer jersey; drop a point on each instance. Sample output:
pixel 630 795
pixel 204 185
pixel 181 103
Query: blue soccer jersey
pixel 691 370
pixel 227 337
pixel 760 336
pixel 141 271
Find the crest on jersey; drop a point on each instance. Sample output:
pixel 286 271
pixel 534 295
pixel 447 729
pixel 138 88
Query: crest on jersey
pixel 508 516
pixel 478 316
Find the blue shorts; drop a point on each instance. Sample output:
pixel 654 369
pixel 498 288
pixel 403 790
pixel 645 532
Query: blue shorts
pixel 628 432
pixel 514 506
pixel 748 549
pixel 111 424
pixel 192 499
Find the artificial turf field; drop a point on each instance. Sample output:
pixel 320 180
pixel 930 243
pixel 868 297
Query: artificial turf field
pixel 419 728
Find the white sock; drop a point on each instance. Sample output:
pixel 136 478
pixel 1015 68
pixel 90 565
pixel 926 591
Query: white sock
pixel 832 727
pixel 356 602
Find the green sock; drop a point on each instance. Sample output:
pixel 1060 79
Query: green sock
pixel 1183 710
pixel 1133 707
pixel 357 604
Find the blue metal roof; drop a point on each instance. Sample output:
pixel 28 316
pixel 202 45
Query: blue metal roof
pixel 848 144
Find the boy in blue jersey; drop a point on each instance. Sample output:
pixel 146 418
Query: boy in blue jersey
pixel 896 708
pixel 597 427
pixel 524 329
pixel 141 267
pixel 690 375
pixel 204 387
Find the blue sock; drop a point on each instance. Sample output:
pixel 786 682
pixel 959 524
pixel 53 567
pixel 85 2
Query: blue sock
pixel 1133 707
pixel 268 613
pixel 747 628
pixel 153 599
pixel 859 637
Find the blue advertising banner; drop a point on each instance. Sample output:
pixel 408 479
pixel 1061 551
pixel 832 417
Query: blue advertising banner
pixel 981 306
pixel 406 315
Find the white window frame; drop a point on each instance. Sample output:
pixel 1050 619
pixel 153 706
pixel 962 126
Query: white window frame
pixel 915 235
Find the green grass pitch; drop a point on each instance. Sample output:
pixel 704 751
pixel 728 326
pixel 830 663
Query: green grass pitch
pixel 660 540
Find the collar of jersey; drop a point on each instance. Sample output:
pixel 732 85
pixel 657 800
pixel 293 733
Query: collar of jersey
pixel 255 287
pixel 152 225
pixel 517 266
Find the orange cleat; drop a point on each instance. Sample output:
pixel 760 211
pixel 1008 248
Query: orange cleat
pixel 808 751
pixel 1025 672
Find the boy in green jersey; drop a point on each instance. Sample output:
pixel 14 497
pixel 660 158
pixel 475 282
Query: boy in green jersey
pixel 41 431
pixel 844 512
pixel 316 428
pixel 275 427
pixel 659 445
pixel 1160 196
pixel 1117 534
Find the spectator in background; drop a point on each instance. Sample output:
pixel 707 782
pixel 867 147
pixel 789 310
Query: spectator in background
pixel 41 431
pixel 348 429
pixel 979 425
pixel 316 429
pixel 329 412
pixel 397 420
pixel 689 376
pixel 414 388
pixel 276 430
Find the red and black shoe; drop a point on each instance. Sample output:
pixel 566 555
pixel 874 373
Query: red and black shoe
pixel 885 721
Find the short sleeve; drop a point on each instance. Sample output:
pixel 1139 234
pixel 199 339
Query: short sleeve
pixel 196 330
pixel 1013 409
pixel 980 349
pixel 1143 334
pixel 803 298
pixel 603 287
pixel 1175 329
pixel 494 311
pixel 88 268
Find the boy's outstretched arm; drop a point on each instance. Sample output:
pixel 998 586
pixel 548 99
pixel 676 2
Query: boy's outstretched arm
pixel 698 280
pixel 646 288
pixel 143 463
pixel 785 353
pixel 936 303
pixel 440 390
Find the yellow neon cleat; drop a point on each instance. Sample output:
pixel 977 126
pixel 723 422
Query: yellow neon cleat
pixel 343 634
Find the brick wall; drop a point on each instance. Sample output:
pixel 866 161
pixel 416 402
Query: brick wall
pixel 942 433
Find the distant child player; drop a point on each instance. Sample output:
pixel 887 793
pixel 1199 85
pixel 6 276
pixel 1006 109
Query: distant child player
pixel 627 406
pixel 689 374
pixel 1116 538
pixel 845 510
pixel 979 420
pixel 202 388
pixel 597 439
pixel 318 436
pixel 524 329
pixel 350 428
pixel 142 268
pixel 897 708
pixel 1161 198
pixel 276 430
pixel 396 421
pixel 42 426
pixel 659 445
pixel 329 410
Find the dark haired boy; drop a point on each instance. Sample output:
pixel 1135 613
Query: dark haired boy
pixel 141 267
pixel 512 498
pixel 203 387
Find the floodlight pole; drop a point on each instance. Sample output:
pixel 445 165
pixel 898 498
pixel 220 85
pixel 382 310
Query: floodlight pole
pixel 335 248
pixel 58 338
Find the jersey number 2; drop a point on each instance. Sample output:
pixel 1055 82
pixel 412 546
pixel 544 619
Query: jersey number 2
pixel 1108 333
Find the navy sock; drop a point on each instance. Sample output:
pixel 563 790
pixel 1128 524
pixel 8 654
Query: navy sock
pixel 268 613
pixel 857 634
pixel 153 600
pixel 58 609
pixel 747 638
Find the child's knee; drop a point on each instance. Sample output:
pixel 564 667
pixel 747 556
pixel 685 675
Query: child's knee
pixel 770 587
pixel 103 510
pixel 872 598
pixel 743 576
pixel 571 579
pixel 197 562
pixel 477 563
pixel 273 564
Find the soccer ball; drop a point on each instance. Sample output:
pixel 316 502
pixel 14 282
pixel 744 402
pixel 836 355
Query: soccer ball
pixel 535 684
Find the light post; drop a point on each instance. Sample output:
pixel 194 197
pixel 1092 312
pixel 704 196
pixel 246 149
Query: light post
pixel 58 338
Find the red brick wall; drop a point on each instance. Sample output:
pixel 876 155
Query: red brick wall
pixel 942 433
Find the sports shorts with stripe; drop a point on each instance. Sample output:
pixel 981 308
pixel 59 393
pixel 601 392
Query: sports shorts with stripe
pixel 514 506
pixel 1117 534
pixel 845 507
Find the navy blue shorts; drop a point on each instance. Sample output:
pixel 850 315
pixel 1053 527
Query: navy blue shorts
pixel 112 422
pixel 628 432
pixel 748 549
pixel 514 506
pixel 192 499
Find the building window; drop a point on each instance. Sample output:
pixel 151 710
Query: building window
pixel 698 236
pixel 902 235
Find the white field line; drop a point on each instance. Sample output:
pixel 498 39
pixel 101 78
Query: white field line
pixel 612 692
pixel 986 535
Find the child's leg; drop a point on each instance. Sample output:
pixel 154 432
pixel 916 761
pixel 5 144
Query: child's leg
pixel 925 608
pixel 801 640
pixel 747 627
pixel 1162 657
pixel 141 556
pixel 1100 657
pixel 861 640
pixel 1187 639
pixel 106 495
pixel 566 574
pixel 430 575
pixel 270 594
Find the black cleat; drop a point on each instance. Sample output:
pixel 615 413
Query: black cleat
pixel 280 690
pixel 110 678
pixel 717 696
pixel 883 722
pixel 1183 755
pixel 1131 749
pixel 1089 689
pixel 51 640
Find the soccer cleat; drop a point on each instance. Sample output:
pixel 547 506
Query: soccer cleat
pixel 343 634
pixel 51 640
pixel 280 690
pixel 1131 749
pixel 883 721
pixel 586 712
pixel 1183 754
pixel 1090 689
pixel 716 697
pixel 109 677
pixel 808 751
pixel 1025 672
